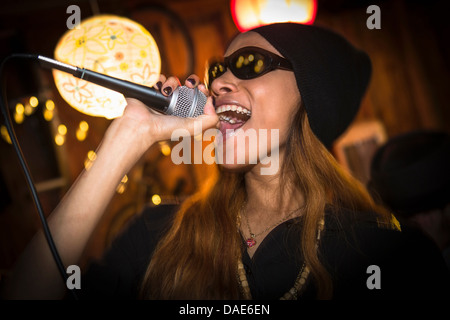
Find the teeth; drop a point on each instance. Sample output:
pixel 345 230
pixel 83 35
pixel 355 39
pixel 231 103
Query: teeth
pixel 233 108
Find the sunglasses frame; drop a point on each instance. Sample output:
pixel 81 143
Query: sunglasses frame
pixel 275 62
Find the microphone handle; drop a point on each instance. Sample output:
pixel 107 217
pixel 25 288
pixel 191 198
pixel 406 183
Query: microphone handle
pixel 146 95
pixel 184 102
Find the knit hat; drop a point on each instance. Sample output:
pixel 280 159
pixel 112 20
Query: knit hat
pixel 411 172
pixel 331 74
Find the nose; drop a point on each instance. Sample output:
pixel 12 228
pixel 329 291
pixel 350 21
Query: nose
pixel 226 83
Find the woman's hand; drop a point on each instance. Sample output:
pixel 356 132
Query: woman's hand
pixel 149 126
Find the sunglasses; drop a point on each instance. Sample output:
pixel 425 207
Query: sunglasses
pixel 247 63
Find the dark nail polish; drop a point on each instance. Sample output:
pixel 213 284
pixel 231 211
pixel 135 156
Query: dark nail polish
pixel 158 85
pixel 191 81
pixel 167 90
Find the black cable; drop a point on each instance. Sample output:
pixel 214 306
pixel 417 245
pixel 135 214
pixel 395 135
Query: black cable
pixel 15 143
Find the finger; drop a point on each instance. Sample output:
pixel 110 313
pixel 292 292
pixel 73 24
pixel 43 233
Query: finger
pixel 203 89
pixel 192 81
pixel 159 83
pixel 170 85
pixel 209 118
pixel 162 78
pixel 209 108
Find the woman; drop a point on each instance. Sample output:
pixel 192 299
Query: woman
pixel 306 231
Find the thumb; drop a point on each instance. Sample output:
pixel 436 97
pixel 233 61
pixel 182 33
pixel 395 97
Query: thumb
pixel 181 127
pixel 209 117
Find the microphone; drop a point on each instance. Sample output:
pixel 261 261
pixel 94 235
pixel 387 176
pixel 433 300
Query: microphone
pixel 184 102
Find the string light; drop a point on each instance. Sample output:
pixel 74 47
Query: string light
pixel 60 139
pixel 122 185
pixel 90 158
pixel 34 102
pixel 62 129
pixel 5 134
pixel 156 199
pixel 48 110
pixel 165 148
pixel 82 130
pixel 19 114
pixel 28 109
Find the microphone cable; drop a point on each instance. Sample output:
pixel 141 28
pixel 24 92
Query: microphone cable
pixel 23 163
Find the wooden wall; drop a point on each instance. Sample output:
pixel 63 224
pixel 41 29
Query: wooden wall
pixel 408 91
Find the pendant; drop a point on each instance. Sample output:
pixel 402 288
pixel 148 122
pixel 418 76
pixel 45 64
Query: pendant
pixel 250 241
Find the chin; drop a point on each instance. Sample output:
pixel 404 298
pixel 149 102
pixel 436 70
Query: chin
pixel 236 168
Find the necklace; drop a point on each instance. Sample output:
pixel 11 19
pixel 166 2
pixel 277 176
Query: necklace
pixel 251 242
pixel 299 283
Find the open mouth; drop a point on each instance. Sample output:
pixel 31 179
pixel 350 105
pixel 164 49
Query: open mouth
pixel 232 117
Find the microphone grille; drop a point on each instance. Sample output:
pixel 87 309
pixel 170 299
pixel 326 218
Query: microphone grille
pixel 189 103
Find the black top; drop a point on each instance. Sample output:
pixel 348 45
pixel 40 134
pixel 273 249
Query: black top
pixel 410 265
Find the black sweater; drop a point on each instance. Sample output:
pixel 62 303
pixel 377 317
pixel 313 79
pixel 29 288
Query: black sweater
pixel 408 265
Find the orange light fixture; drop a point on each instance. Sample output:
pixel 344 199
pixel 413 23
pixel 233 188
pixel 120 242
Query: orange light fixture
pixel 111 45
pixel 248 14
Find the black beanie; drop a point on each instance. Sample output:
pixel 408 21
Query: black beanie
pixel 411 172
pixel 332 75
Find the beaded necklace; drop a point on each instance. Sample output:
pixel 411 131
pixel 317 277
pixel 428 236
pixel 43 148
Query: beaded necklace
pixel 299 282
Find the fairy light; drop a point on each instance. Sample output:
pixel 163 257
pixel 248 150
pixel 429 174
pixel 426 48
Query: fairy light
pixel 48 110
pixel 62 129
pixel 122 185
pixel 5 134
pixel 156 199
pixel 90 158
pixel 19 114
pixel 60 139
pixel 165 148
pixel 82 130
pixel 34 102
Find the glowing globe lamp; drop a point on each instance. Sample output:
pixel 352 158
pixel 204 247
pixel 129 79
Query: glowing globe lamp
pixel 248 14
pixel 111 45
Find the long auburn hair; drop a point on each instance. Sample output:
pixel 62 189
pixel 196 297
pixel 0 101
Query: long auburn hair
pixel 197 257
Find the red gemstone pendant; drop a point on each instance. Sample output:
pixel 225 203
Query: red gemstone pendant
pixel 250 242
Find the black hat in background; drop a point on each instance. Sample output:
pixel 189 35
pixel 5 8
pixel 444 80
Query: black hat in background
pixel 331 74
pixel 411 172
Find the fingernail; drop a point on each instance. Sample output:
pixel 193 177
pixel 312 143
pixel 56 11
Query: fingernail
pixel 158 85
pixel 191 81
pixel 167 90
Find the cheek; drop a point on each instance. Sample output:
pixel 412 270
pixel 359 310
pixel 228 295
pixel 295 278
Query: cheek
pixel 278 117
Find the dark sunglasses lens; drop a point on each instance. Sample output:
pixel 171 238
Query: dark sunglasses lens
pixel 249 65
pixel 216 70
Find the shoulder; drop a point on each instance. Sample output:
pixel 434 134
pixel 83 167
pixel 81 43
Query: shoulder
pixel 409 264
pixel 156 219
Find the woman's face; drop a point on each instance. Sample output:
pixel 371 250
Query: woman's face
pixel 272 99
